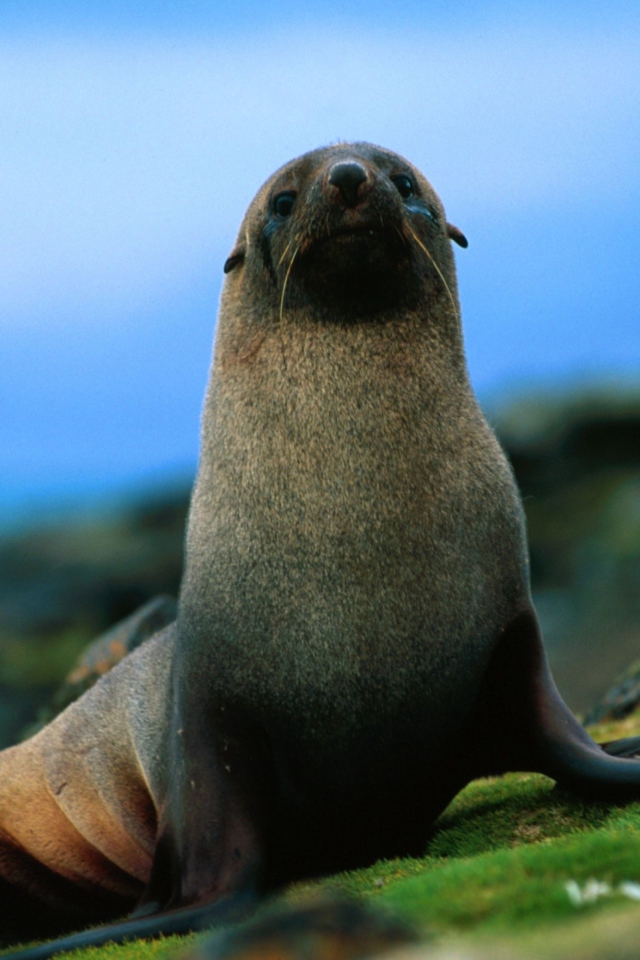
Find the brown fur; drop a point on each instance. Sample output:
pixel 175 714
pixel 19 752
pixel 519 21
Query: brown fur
pixel 355 636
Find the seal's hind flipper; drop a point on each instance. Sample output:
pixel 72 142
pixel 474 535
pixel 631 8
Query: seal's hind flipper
pixel 522 723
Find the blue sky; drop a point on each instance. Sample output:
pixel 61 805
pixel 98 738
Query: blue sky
pixel 133 135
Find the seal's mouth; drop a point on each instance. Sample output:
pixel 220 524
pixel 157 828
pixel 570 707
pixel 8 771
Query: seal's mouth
pixel 369 233
pixel 363 231
pixel 354 245
pixel 351 270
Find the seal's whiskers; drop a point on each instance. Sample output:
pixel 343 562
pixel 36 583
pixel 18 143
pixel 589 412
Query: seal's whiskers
pixel 282 296
pixel 286 280
pixel 438 271
pixel 284 253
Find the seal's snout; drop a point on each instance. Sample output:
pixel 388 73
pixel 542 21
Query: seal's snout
pixel 348 176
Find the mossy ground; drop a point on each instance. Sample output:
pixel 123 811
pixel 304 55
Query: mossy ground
pixel 497 864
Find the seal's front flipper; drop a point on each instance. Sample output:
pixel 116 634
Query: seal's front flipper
pixel 629 747
pixel 522 723
pixel 186 920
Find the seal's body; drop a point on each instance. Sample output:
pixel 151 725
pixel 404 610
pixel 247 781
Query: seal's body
pixel 355 636
pixel 355 543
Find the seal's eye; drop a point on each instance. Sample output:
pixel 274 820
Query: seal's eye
pixel 283 204
pixel 403 185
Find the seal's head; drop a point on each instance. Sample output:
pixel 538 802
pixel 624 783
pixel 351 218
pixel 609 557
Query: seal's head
pixel 345 232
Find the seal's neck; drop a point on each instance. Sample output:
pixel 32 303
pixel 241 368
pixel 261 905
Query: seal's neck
pixel 347 392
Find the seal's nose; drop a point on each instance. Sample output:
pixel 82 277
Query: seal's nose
pixel 348 176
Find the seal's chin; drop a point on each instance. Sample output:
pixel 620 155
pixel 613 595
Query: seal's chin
pixel 351 272
pixel 371 235
pixel 361 251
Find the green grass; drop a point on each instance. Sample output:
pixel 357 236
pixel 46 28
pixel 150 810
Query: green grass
pixel 162 949
pixel 500 857
pixel 523 887
pixel 497 864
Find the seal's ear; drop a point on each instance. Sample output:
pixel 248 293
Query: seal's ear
pixel 457 235
pixel 235 257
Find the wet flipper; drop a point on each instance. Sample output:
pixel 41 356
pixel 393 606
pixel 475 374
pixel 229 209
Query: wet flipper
pixel 186 920
pixel 628 747
pixel 522 723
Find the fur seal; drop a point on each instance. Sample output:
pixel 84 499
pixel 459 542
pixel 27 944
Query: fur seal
pixel 355 637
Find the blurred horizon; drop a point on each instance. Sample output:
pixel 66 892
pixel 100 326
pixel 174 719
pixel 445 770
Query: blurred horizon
pixel 134 136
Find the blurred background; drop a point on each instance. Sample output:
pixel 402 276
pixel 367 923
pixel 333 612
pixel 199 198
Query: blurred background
pixel 134 134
